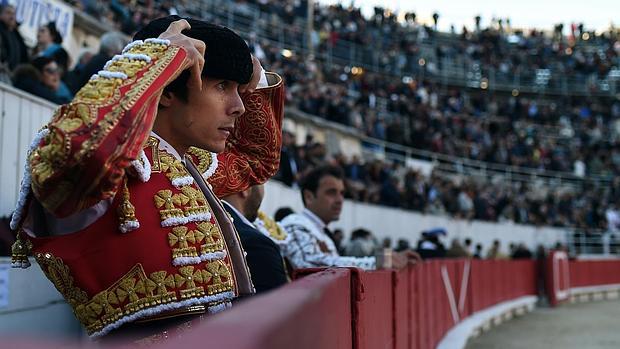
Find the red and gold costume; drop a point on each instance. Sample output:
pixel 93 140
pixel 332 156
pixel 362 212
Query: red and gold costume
pixel 164 245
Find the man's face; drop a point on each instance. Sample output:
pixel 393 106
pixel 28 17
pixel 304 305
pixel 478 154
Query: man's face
pixel 326 203
pixel 253 201
pixel 7 16
pixel 208 116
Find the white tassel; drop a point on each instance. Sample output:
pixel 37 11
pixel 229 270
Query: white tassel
pixel 24 190
pixel 142 167
pixel 129 226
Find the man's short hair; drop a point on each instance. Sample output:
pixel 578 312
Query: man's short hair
pixel 311 181
pixel 227 56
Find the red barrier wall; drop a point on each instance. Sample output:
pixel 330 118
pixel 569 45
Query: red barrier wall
pixel 313 312
pixel 350 308
pixel 562 275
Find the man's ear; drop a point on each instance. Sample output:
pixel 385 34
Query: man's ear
pixel 244 194
pixel 308 196
pixel 167 98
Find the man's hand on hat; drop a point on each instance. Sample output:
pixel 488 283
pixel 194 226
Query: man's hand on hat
pixel 257 70
pixel 195 49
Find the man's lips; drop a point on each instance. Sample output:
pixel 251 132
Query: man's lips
pixel 226 130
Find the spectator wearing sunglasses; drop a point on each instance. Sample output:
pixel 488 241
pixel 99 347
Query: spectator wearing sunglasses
pixel 42 78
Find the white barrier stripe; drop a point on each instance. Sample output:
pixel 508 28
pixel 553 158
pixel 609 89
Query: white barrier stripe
pixel 450 293
pixel 464 285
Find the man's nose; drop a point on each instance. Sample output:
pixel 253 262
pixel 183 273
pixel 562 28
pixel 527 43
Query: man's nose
pixel 236 108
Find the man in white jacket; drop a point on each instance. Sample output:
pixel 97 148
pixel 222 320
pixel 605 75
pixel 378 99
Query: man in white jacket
pixel 322 192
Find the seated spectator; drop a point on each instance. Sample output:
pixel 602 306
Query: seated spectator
pixel 13 50
pixel 42 78
pixel 49 44
pixel 478 252
pixel 112 43
pixel 322 192
pixel 495 251
pixel 457 250
pixel 282 212
pixel 430 246
pixel 361 244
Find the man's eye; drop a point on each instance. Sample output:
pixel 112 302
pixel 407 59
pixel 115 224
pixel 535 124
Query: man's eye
pixel 222 85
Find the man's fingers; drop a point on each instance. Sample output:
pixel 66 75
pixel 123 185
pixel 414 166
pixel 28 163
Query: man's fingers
pixel 196 74
pixel 257 70
pixel 177 27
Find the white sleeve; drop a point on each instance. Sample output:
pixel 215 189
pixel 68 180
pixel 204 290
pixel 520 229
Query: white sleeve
pixel 304 252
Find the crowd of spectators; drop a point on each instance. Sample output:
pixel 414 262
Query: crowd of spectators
pixel 363 243
pixel 567 134
pixel 393 184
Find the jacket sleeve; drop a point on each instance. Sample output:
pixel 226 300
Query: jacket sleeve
pixel 304 252
pixel 82 158
pixel 252 154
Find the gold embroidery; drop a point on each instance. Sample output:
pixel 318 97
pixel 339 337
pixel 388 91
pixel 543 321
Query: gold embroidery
pixel 275 230
pixel 181 237
pixel 134 291
pixel 204 158
pixel 126 210
pixel 168 201
pixel 197 201
pixel 46 159
pixel 173 168
pixel 219 275
pixel 212 237
pixel 127 66
pixel 153 143
pixel 58 273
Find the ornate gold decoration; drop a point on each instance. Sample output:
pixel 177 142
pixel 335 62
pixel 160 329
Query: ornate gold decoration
pixel 134 291
pixel 20 250
pixel 173 168
pixel 275 231
pixel 48 158
pixel 58 273
pixel 169 202
pixel 218 273
pixel 205 158
pixel 181 237
pixel 196 200
pixel 212 237
pixel 126 211
pixel 129 67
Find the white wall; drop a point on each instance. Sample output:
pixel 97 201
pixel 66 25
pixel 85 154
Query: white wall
pixel 397 223
pixel 35 307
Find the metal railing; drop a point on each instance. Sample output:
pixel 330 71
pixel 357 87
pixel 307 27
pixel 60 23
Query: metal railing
pixel 454 72
pixel 452 165
pixel 580 242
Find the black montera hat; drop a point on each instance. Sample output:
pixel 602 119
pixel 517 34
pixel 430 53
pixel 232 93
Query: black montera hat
pixel 227 55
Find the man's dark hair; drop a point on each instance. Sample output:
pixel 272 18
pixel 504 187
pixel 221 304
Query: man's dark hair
pixel 54 33
pixel 41 61
pixel 227 55
pixel 282 212
pixel 311 181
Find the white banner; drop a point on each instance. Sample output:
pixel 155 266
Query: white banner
pixel 32 14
